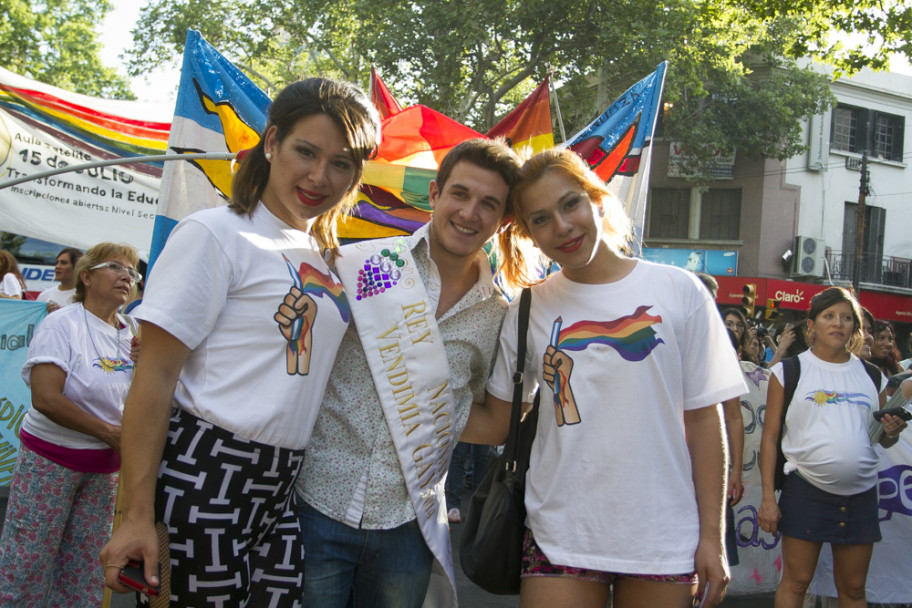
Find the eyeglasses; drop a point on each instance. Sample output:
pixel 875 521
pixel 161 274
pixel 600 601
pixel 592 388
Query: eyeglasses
pixel 119 269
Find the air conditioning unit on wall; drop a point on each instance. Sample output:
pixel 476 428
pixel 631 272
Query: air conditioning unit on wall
pixel 808 258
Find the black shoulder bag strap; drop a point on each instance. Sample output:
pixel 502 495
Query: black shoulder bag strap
pixel 791 371
pixel 517 458
pixel 875 375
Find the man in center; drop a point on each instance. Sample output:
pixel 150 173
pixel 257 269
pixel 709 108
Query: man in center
pixel 426 321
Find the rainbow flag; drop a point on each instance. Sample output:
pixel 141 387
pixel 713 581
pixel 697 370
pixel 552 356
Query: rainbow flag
pixel 529 124
pixel 617 144
pixel 632 336
pixel 44 128
pixel 381 96
pixel 394 193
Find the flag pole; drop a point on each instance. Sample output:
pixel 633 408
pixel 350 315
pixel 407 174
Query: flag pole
pixel 560 120
pixel 121 161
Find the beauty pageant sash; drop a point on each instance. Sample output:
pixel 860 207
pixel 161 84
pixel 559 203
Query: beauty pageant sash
pixel 396 322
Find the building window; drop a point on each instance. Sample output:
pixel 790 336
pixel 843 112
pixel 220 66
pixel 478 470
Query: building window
pixel 888 132
pixel 692 214
pixel 875 222
pixel 720 214
pixel 844 128
pixel 669 213
pixel 861 130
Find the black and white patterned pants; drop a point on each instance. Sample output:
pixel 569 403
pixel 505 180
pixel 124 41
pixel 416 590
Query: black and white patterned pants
pixel 228 505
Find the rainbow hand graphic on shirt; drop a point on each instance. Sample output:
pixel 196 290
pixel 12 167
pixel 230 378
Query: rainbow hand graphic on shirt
pixel 298 311
pixel 632 336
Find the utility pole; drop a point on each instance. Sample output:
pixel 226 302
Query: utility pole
pixel 860 222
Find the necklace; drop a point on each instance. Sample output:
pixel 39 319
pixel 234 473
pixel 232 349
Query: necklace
pixel 85 316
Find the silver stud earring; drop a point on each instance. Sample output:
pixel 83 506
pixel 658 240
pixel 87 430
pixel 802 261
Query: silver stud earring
pixel 269 156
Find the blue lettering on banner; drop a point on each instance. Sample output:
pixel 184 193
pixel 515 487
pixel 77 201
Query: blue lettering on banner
pixel 754 538
pixel 895 491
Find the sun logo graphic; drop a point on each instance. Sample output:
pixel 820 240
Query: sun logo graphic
pixel 112 366
pixel 822 397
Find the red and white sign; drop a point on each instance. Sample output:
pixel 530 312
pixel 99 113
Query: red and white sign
pixel 797 296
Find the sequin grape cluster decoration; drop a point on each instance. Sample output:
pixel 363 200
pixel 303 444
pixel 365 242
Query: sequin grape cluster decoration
pixel 380 272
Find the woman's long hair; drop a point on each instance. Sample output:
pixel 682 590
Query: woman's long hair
pixel 523 262
pixel 889 365
pixel 9 265
pixel 348 107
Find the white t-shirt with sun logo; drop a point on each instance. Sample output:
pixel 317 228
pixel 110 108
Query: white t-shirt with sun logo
pixel 96 360
pixel 826 426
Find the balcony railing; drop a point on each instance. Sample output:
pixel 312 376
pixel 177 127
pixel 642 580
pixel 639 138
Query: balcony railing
pixel 880 270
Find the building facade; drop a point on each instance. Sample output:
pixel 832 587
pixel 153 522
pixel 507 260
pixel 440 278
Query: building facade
pixel 788 228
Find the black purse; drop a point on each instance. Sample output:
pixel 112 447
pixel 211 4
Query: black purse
pixel 490 549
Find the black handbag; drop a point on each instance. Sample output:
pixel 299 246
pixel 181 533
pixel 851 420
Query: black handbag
pixel 490 549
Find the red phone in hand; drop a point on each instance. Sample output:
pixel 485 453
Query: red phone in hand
pixel 133 577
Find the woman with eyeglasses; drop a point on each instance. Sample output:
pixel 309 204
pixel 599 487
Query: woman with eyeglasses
pixel 241 320
pixel 63 489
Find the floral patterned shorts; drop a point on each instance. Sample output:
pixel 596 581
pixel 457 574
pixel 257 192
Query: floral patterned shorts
pixel 57 521
pixel 535 563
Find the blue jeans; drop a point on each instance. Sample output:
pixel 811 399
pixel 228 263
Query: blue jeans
pixel 355 568
pixel 454 482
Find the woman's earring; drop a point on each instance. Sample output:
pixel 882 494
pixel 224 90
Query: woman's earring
pixel 269 156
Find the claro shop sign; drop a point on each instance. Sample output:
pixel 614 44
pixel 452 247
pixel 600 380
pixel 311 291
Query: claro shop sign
pixel 792 295
pixel 795 295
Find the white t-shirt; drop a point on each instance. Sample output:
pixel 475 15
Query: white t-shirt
pixel 216 287
pixel 826 426
pixel 96 359
pixel 10 285
pixel 54 294
pixel 614 492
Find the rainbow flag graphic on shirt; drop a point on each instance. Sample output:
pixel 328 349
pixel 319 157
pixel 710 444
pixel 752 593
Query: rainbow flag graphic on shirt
pixel 632 336
pixel 315 283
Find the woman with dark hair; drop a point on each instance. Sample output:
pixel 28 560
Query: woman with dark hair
pixel 863 350
pixel 608 339
pixel 830 489
pixel 241 321
pixel 62 294
pixel 736 321
pixel 11 282
pixel 62 493
pixel 883 351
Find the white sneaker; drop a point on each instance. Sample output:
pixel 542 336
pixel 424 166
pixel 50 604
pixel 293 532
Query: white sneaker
pixel 454 517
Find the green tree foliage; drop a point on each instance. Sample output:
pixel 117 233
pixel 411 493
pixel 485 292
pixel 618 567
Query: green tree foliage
pixel 733 81
pixel 57 42
pixel 11 242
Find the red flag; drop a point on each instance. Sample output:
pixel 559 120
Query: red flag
pixel 529 124
pixel 420 137
pixel 381 96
